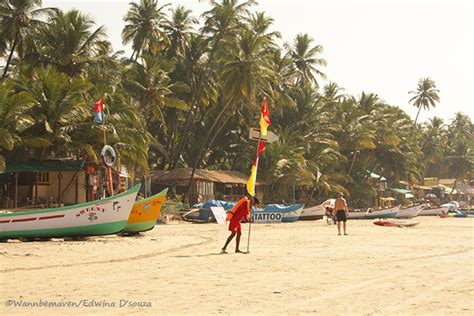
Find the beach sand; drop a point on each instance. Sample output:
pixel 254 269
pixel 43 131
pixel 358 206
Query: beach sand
pixel 292 268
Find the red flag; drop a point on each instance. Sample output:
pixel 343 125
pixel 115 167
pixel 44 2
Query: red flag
pixel 261 147
pixel 264 118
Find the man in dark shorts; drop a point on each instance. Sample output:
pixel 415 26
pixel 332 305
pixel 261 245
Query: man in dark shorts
pixel 241 210
pixel 340 211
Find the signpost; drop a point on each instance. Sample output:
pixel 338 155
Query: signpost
pixel 254 134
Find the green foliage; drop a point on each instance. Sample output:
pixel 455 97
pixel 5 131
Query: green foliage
pixel 188 96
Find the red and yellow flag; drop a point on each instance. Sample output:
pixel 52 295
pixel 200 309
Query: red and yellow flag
pixel 252 179
pixel 264 118
pixel 253 173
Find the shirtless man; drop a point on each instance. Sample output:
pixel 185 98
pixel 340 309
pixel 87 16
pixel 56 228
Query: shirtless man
pixel 340 212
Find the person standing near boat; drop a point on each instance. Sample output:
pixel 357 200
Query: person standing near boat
pixel 240 210
pixel 340 212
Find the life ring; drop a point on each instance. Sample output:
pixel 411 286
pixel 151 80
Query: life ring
pixel 110 159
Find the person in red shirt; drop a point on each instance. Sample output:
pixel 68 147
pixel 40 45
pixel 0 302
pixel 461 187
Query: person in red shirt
pixel 242 209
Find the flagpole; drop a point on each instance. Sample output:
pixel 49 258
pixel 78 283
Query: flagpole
pixel 108 170
pixel 264 122
pixel 251 210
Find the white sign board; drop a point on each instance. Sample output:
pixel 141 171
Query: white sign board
pixel 266 217
pixel 254 134
pixel 219 213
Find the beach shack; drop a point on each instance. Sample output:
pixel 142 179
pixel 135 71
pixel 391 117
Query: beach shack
pixel 46 183
pixel 54 182
pixel 206 184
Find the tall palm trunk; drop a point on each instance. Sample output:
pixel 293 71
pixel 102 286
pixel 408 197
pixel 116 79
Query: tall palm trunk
pixel 15 42
pixel 210 137
pixel 191 114
pixel 454 185
pixel 416 118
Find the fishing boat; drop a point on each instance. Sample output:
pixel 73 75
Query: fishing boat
pixel 357 214
pixel 145 213
pixel 384 213
pixel 410 212
pixel 433 211
pixel 274 213
pixel 100 217
pixel 312 213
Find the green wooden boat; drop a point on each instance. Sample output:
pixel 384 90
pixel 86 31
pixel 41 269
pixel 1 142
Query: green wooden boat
pixel 100 217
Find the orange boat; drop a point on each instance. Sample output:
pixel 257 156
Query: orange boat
pixel 145 213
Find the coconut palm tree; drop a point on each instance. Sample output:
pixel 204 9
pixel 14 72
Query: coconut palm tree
pixel 150 87
pixel 17 17
pixel 14 119
pixel 306 59
pixel 178 29
pixel 71 44
pixel 58 107
pixel 143 27
pixel 223 21
pixel 426 96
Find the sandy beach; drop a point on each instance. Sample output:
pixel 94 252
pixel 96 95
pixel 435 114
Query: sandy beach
pixel 292 268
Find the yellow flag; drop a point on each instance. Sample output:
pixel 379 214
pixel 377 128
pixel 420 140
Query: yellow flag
pixel 252 179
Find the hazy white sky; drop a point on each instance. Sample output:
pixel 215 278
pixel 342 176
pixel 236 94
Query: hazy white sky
pixel 382 46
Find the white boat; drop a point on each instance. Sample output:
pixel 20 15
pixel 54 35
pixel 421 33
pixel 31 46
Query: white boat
pixel 357 214
pixel 313 213
pixel 434 211
pixel 100 217
pixel 383 213
pixel 410 212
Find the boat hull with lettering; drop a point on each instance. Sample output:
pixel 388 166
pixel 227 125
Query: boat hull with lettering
pixel 100 217
pixel 145 213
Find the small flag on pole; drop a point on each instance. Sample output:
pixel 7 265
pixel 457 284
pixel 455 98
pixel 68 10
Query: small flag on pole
pixel 99 112
pixel 264 118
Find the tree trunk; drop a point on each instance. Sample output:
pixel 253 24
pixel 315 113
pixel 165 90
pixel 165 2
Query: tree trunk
pixel 205 74
pixel 15 42
pixel 210 137
pixel 416 118
pixel 454 186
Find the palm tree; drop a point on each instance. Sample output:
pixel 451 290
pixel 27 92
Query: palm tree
pixel 143 23
pixel 150 87
pixel 58 108
pixel 305 59
pixel 426 96
pixel 14 119
pixel 245 72
pixel 433 144
pixel 224 21
pixel 17 17
pixel 70 43
pixel 178 30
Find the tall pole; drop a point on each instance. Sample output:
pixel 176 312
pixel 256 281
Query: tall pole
pixel 108 171
pixel 251 210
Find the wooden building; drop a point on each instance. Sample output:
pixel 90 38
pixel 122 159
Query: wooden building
pixel 206 184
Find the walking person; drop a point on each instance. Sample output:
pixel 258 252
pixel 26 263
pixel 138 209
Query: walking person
pixel 241 210
pixel 340 212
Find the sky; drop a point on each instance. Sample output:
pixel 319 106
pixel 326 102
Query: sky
pixel 384 47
